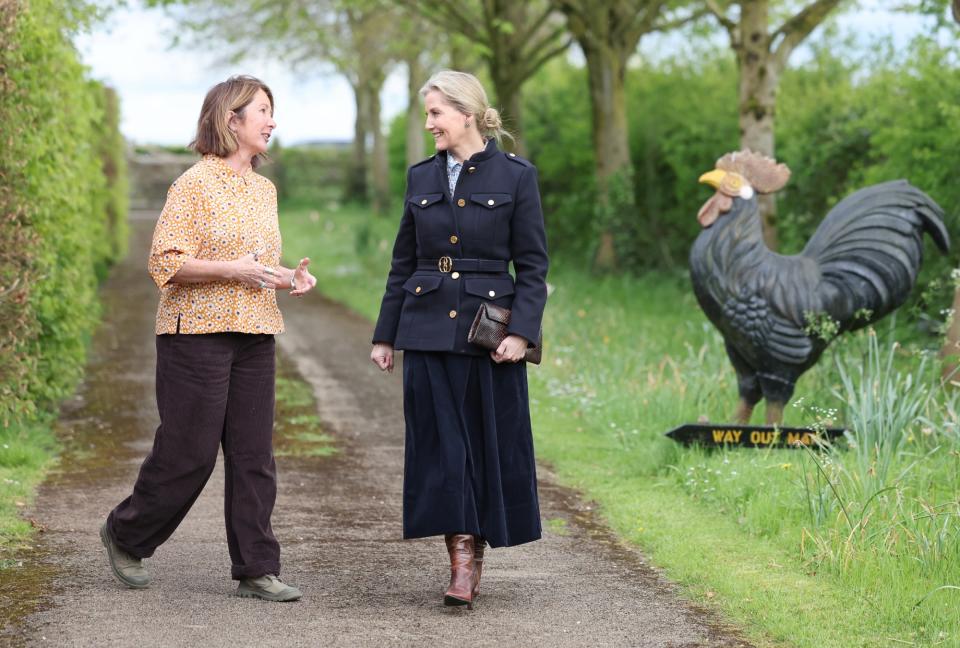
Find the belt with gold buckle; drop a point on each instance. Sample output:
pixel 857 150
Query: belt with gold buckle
pixel 446 264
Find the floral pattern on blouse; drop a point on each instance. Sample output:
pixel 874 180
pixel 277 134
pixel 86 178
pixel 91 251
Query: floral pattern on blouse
pixel 214 213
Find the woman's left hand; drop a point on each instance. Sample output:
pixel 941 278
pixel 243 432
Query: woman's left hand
pixel 511 349
pixel 303 279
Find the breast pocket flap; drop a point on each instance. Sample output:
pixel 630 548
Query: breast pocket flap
pixel 425 200
pixel 421 285
pixel 488 287
pixel 491 200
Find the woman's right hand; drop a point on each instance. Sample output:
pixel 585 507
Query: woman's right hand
pixel 382 356
pixel 248 270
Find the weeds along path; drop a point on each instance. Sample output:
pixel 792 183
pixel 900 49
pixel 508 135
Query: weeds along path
pixel 338 520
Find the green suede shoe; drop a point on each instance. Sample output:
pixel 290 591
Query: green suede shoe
pixel 268 588
pixel 128 569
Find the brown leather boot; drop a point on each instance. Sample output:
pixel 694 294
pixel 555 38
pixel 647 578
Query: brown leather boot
pixel 479 544
pixel 462 570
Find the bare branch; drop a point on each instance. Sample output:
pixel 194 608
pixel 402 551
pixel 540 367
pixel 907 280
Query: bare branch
pixel 446 15
pixel 681 21
pixel 722 18
pixel 798 27
pixel 538 62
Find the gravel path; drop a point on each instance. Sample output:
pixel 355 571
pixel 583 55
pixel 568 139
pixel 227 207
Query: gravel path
pixel 338 520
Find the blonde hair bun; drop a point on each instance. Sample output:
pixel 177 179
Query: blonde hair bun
pixel 491 120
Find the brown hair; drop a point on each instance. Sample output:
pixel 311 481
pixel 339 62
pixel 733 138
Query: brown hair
pixel 213 132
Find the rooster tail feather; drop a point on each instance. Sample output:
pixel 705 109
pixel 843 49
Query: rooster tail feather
pixel 869 248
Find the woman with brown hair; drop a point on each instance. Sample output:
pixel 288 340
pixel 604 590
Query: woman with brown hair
pixel 216 260
pixel 470 211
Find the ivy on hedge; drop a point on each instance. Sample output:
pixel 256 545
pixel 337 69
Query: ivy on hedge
pixel 62 202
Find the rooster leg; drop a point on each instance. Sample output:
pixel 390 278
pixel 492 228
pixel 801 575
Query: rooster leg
pixel 775 412
pixel 777 391
pixel 748 386
pixel 744 412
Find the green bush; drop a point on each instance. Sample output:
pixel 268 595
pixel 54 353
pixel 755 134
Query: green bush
pixel 62 200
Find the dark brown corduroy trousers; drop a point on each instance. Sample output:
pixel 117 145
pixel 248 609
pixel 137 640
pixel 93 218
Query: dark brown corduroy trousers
pixel 212 389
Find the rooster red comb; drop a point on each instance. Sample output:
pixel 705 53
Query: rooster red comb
pixel 764 174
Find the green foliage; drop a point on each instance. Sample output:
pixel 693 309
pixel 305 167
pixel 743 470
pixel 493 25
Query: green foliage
pixel 683 116
pixel 305 174
pixel 62 200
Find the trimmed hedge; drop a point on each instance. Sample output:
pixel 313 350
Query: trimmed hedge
pixel 62 202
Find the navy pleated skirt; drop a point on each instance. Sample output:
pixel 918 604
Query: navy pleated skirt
pixel 469 464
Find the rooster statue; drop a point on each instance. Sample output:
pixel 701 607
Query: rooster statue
pixel 778 313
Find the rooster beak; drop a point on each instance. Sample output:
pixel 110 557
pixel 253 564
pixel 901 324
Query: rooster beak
pixel 713 178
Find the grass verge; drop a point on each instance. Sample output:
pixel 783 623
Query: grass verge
pixel 298 431
pixel 26 452
pixel 854 547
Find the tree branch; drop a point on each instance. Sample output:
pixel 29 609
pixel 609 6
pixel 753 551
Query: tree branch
pixel 537 63
pixel 795 29
pixel 451 18
pixel 722 18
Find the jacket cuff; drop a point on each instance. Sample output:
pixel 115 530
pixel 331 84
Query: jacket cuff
pixel 533 339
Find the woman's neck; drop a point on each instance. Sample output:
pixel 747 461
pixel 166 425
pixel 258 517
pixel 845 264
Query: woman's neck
pixel 240 161
pixel 464 151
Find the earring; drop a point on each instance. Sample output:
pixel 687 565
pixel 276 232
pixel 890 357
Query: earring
pixel 466 124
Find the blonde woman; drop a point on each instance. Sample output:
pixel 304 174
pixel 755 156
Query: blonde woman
pixel 216 259
pixel 469 211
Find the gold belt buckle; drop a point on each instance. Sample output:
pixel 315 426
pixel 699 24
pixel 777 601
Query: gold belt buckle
pixel 445 264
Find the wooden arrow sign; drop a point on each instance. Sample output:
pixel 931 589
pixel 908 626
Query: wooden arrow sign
pixel 750 436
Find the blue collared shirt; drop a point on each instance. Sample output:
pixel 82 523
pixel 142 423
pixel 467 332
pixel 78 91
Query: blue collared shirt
pixel 453 172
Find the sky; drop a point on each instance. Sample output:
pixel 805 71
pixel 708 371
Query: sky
pixel 161 88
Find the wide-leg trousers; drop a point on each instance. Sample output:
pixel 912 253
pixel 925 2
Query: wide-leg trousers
pixel 213 390
pixel 469 465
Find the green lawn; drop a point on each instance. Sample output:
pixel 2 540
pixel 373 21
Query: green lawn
pixel 837 549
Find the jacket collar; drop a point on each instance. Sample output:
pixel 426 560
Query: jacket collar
pixel 488 152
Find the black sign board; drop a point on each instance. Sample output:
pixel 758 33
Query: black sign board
pixel 750 436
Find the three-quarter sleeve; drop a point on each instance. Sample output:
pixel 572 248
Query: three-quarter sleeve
pixel 528 247
pixel 177 234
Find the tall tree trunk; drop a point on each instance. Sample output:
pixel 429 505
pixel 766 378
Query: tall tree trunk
pixel 415 118
pixel 509 100
pixel 759 77
pixel 379 167
pixel 355 184
pixel 606 70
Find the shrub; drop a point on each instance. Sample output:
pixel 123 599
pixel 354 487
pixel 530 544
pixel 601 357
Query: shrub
pixel 62 201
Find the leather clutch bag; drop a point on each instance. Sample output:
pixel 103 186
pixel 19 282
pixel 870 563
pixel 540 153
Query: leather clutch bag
pixel 489 329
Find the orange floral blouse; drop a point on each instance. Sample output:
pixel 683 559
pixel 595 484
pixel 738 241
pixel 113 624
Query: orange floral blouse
pixel 214 213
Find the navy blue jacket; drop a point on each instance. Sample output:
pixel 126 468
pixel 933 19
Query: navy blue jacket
pixel 495 216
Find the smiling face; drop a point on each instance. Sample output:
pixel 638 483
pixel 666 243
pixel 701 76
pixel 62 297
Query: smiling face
pixel 254 125
pixel 446 123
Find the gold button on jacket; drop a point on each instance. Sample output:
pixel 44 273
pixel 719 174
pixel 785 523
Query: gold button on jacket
pixel 461 202
pixel 454 239
pixel 455 275
pixel 453 314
